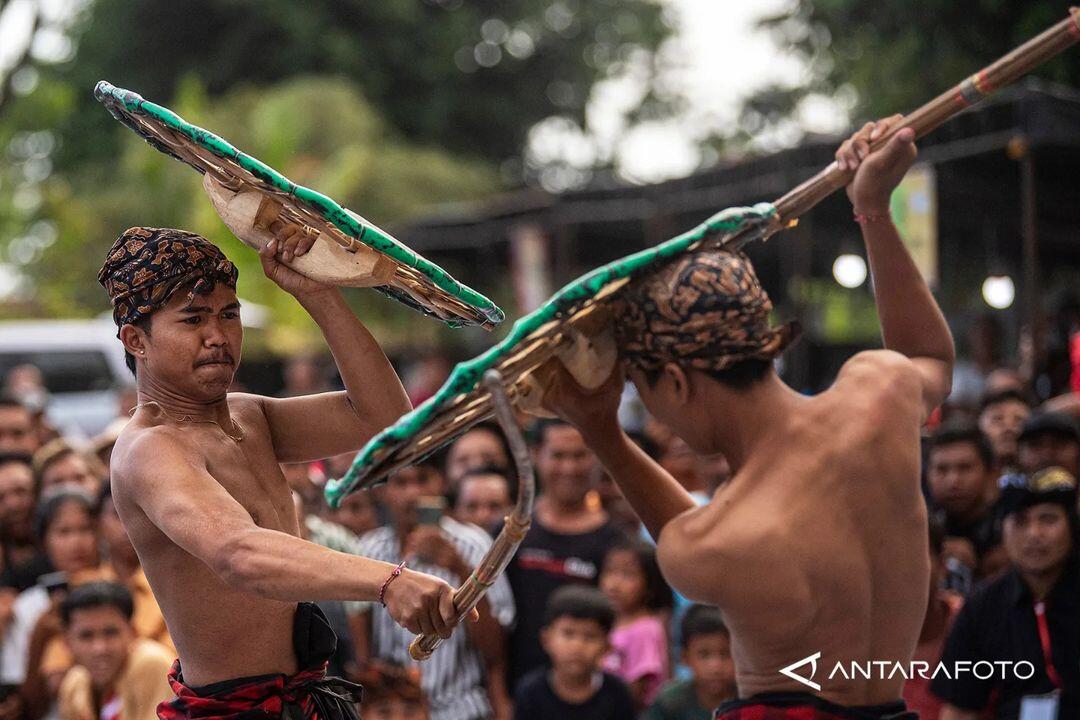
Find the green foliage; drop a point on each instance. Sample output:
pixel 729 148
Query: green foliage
pixel 897 55
pixel 319 132
pixel 418 61
pixel 388 107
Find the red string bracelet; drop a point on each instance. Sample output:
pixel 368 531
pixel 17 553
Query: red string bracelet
pixel 863 218
pixel 393 574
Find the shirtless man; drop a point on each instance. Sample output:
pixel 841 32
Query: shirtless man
pixel 197 482
pixel 818 543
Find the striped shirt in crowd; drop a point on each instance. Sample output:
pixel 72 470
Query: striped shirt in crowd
pixel 331 535
pixel 453 678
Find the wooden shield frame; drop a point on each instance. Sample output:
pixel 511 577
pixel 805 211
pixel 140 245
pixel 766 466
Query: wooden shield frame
pixel 407 277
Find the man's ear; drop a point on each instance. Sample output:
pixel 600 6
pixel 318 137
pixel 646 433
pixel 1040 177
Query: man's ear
pixel 134 339
pixel 678 383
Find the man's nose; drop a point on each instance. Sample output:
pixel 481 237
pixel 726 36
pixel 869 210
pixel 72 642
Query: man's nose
pixel 214 333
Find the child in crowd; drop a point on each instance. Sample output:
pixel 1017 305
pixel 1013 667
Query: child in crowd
pixel 392 692
pixel 707 652
pixel 631 580
pixel 577 621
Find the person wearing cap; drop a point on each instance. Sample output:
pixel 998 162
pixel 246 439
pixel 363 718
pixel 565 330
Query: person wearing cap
pixel 1049 439
pixel 817 546
pixel 197 481
pixel 1030 614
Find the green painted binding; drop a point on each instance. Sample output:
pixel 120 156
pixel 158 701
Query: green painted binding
pixel 121 104
pixel 467 375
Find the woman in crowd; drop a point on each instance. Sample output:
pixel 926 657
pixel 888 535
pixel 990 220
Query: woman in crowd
pixel 66 527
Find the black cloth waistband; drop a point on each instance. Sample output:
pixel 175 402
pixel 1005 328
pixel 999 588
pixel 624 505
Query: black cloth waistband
pixel 734 709
pixel 309 694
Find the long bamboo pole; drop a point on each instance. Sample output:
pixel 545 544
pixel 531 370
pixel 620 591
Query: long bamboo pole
pixel 982 84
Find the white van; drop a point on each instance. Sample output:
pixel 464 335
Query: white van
pixel 83 365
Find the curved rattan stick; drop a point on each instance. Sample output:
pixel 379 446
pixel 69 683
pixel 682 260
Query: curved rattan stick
pixel 514 529
pixel 1004 71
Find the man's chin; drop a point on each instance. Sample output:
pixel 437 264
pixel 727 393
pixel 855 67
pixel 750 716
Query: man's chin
pixel 218 374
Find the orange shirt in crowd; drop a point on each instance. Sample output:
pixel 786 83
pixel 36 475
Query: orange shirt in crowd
pixel 142 686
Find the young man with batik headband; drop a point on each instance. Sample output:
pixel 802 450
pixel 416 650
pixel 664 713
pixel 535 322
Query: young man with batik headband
pixel 197 481
pixel 817 546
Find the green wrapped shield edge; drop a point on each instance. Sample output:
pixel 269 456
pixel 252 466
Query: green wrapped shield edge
pixel 122 104
pixel 745 222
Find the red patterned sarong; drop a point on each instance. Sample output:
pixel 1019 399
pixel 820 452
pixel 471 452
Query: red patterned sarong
pixel 307 695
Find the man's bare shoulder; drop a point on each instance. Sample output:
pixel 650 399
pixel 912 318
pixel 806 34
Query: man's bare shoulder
pixel 146 445
pixel 881 371
pixel 247 402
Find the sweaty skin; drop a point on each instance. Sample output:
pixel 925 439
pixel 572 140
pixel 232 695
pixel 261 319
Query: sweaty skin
pixel 212 518
pixel 818 543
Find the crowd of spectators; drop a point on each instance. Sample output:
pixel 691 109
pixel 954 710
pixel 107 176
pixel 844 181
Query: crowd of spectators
pixel 583 623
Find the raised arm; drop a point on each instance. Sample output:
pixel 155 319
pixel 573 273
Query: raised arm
pixel 911 321
pixel 373 397
pixel 654 494
pixel 170 485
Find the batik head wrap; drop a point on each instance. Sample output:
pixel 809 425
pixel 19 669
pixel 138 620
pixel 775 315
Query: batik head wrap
pixel 705 310
pixel 145 266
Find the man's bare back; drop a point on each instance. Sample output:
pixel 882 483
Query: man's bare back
pixel 219 631
pixel 819 541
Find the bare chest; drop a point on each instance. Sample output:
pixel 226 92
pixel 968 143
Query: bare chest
pixel 249 472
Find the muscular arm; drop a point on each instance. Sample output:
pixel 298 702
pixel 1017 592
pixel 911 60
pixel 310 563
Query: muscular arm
pixel 172 488
pixel 373 397
pixel 911 321
pixel 655 495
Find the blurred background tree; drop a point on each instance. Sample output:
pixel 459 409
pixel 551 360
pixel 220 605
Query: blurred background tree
pixel 349 153
pixel 442 72
pixel 392 106
pixel 389 107
pixel 890 56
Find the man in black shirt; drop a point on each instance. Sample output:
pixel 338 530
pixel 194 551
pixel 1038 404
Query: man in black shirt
pixel 567 541
pixel 1029 615
pixel 960 476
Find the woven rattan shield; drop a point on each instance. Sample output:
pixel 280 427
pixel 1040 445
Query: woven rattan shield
pixel 574 325
pixel 250 193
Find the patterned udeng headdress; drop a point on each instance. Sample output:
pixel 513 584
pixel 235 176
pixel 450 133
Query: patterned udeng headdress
pixel 146 265
pixel 705 310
